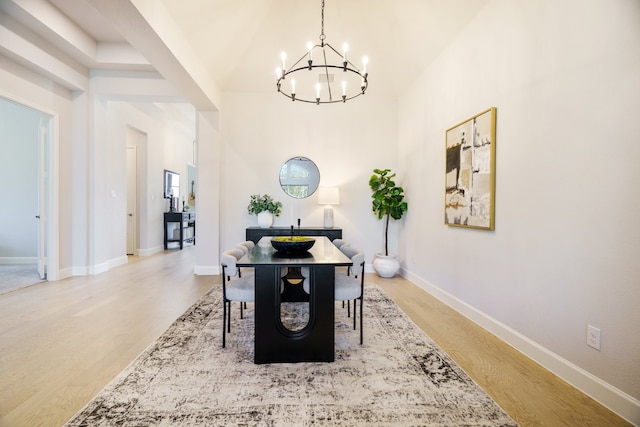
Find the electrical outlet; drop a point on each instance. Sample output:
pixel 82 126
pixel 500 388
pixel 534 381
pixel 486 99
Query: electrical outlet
pixel 593 337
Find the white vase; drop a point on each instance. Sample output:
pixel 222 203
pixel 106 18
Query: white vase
pixel 265 219
pixel 386 265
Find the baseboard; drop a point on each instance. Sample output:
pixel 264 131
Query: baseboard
pixel 604 393
pixel 93 269
pixel 207 270
pixel 66 272
pixel 18 260
pixel 150 251
pixel 368 268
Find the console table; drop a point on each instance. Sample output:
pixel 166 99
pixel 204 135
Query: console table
pixel 256 233
pixel 187 227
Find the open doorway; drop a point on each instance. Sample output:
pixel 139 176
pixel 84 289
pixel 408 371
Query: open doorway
pixel 136 143
pixel 25 171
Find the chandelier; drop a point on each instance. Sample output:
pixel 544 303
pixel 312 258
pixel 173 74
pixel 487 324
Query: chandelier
pixel 322 75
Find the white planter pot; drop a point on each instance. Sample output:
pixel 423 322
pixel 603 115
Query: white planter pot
pixel 386 266
pixel 265 219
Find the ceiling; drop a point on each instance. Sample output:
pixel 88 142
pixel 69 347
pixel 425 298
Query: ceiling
pixel 238 42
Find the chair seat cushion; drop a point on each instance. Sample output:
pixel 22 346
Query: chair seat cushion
pixel 347 288
pixel 241 289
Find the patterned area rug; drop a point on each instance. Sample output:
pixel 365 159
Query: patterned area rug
pixel 399 377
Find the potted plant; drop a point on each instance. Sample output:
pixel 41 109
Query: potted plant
pixel 388 202
pixel 265 207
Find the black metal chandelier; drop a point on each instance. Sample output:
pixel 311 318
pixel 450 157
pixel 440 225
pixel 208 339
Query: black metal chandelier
pixel 322 75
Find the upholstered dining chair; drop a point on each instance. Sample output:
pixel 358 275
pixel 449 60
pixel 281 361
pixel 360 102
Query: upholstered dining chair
pixel 348 286
pixel 248 244
pixel 342 245
pixel 338 243
pixel 240 288
pixel 351 287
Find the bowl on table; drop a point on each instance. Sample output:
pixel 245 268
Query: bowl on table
pixel 292 245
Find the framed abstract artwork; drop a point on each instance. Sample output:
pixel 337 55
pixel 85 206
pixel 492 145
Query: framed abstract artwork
pixel 470 172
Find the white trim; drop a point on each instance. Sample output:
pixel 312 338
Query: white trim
pixel 207 270
pixel 106 266
pixel 150 251
pixel 19 260
pixel 609 396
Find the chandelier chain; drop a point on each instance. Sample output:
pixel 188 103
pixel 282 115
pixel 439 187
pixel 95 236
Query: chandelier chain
pixel 322 36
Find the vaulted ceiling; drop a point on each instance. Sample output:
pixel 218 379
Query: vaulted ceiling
pixel 238 42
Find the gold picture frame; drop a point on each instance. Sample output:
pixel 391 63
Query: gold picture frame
pixel 470 172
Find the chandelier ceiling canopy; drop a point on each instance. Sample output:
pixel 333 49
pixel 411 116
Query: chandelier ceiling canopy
pixel 322 75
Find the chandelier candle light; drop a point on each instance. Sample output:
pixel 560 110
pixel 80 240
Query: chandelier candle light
pixel 327 62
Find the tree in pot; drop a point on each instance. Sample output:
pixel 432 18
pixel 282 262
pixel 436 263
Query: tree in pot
pixel 388 202
pixel 265 207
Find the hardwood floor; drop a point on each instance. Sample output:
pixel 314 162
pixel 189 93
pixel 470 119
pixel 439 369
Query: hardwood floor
pixel 62 342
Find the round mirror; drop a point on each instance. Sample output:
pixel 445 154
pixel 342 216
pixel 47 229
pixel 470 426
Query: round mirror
pixel 299 177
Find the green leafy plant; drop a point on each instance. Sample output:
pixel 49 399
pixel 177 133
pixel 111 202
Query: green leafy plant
pixel 260 203
pixel 388 199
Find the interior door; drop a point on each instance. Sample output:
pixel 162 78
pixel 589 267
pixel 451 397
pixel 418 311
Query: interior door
pixel 132 197
pixel 42 202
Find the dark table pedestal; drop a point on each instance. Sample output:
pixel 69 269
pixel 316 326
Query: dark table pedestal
pixel 273 341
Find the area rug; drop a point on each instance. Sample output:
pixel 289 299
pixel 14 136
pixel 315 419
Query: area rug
pixel 399 377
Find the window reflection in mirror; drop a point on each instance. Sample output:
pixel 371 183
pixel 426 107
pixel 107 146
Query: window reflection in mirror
pixel 299 177
pixel 171 184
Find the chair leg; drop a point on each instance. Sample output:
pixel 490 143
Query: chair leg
pixel 361 313
pixel 241 310
pixel 224 323
pixel 348 308
pixel 355 314
pixel 229 317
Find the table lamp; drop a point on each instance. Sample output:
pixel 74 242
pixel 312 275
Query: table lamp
pixel 328 196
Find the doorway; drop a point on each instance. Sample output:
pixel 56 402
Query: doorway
pixel 132 198
pixel 26 168
pixel 136 143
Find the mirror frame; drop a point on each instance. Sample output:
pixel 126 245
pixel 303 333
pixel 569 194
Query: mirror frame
pixel 312 182
pixel 169 184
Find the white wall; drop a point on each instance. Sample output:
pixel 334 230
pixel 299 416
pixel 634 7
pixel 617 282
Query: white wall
pixel 260 132
pixel 565 80
pixel 166 148
pixel 90 140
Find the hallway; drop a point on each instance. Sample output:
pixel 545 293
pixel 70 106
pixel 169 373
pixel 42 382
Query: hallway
pixel 63 341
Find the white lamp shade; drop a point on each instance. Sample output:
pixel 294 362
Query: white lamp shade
pixel 328 196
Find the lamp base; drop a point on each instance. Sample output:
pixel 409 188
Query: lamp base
pixel 328 216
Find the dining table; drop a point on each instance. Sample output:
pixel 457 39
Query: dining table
pixel 273 341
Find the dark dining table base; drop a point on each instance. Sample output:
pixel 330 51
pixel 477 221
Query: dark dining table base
pixel 274 343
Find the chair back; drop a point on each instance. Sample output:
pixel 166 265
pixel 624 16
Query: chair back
pixel 248 244
pixel 358 264
pixel 338 243
pixel 229 260
pixel 356 256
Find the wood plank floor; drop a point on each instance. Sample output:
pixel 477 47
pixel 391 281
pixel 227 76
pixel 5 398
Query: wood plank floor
pixel 62 342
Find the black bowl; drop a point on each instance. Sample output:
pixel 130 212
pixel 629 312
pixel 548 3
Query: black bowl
pixel 292 246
